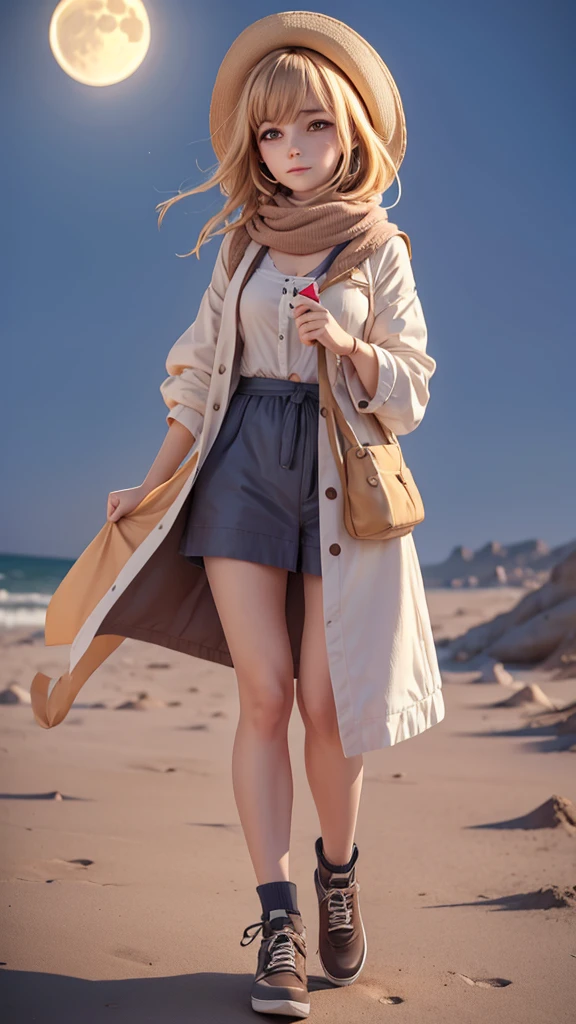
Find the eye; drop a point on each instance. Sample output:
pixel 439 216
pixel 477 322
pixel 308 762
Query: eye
pixel 267 133
pixel 329 123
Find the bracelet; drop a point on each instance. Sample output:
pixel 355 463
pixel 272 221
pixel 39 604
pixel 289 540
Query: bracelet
pixel 354 347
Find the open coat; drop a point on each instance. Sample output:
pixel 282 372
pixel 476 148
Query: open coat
pixel 131 581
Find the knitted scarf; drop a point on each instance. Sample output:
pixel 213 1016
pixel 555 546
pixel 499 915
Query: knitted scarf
pixel 302 227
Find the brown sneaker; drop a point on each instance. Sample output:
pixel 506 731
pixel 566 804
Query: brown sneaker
pixel 280 984
pixel 342 940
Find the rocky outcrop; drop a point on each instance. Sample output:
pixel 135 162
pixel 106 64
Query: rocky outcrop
pixel 541 628
pixel 527 564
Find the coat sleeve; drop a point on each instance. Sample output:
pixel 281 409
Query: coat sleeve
pixel 399 336
pixel 191 358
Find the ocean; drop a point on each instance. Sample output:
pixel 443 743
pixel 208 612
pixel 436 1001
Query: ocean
pixel 27 583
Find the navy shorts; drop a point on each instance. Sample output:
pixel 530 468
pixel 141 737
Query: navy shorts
pixel 256 495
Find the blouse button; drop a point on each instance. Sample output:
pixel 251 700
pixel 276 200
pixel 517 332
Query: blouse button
pixel 331 492
pixel 284 290
pixel 221 368
pixel 335 549
pixel 323 411
pixel 281 336
pixel 216 406
pixel 363 403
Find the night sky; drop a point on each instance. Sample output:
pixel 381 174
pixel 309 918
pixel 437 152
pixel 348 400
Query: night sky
pixel 95 295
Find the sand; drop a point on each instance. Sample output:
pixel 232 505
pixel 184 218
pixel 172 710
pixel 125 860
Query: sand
pixel 127 884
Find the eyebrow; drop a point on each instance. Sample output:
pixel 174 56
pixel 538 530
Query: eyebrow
pixel 318 110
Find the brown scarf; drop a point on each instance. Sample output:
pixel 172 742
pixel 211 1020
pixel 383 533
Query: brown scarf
pixel 300 227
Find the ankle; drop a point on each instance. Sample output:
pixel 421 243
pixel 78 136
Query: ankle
pixel 333 867
pixel 278 896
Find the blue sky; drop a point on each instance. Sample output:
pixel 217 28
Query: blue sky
pixel 95 295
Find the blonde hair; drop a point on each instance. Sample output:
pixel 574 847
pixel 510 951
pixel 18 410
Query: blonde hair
pixel 275 91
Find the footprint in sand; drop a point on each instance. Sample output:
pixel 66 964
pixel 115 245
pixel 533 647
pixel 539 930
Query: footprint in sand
pixel 58 870
pixel 372 990
pixel 144 702
pixel 213 824
pixel 125 953
pixel 54 794
pixel 483 982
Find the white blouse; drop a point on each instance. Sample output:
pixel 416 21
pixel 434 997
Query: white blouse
pixel 272 347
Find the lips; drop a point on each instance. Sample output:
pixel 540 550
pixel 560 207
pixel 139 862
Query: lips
pixel 292 169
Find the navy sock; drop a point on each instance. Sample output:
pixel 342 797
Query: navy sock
pixel 278 896
pixel 340 868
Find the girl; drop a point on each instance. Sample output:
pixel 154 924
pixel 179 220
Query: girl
pixel 259 570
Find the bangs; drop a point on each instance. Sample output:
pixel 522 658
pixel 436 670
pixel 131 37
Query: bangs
pixel 279 93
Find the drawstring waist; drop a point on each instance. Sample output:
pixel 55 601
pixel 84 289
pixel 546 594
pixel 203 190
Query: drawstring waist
pixel 298 392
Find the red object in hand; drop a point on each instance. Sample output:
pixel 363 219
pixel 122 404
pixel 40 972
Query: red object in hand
pixel 311 292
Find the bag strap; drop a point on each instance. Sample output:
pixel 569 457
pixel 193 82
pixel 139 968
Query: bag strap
pixel 334 413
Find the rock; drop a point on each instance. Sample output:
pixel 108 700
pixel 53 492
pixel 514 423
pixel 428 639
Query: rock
pixel 536 639
pixel 531 694
pixel 14 694
pixel 535 627
pixel 567 726
pixel 548 897
pixel 494 672
pixel 144 702
pixel 556 812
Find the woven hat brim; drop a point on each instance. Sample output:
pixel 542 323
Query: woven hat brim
pixel 336 41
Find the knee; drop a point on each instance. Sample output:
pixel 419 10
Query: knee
pixel 267 706
pixel 319 717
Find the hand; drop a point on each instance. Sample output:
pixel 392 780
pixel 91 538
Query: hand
pixel 316 323
pixel 121 503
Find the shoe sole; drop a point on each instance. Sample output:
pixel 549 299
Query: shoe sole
pixel 347 981
pixel 284 1007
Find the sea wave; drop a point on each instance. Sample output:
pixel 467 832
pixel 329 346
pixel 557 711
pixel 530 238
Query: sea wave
pixel 25 609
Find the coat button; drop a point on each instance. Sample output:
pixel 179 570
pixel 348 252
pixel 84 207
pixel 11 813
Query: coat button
pixel 216 406
pixel 360 453
pixel 363 403
pixel 373 481
pixel 335 549
pixel 284 290
pixel 221 368
pixel 323 411
pixel 331 492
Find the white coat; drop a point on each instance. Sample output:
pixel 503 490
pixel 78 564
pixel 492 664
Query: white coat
pixel 131 580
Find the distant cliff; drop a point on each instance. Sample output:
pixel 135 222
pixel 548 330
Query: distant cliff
pixel 526 564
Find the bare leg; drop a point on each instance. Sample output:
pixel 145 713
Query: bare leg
pixel 250 599
pixel 335 781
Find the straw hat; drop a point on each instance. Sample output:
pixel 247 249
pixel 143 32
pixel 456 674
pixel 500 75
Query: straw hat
pixel 335 40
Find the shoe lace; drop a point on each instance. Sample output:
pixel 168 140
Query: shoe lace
pixel 257 925
pixel 282 953
pixel 281 948
pixel 341 907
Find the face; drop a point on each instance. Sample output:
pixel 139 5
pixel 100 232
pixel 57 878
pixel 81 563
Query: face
pixel 310 143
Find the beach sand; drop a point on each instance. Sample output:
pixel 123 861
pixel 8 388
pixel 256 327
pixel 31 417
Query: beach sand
pixel 127 883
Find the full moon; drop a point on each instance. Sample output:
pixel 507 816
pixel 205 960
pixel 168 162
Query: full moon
pixel 99 42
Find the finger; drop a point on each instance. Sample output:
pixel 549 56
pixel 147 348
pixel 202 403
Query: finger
pixel 311 331
pixel 312 314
